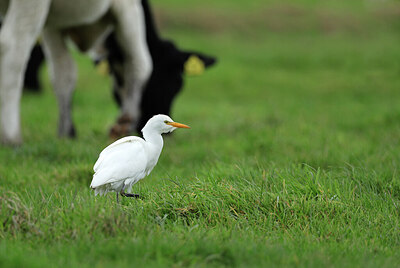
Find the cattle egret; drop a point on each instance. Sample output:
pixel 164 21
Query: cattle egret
pixel 130 159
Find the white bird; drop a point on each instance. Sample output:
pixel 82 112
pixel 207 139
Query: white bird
pixel 130 159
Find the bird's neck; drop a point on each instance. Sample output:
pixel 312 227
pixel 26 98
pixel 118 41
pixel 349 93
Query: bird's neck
pixel 155 139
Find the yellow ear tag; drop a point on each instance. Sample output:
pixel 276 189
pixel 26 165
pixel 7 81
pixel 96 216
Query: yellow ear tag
pixel 103 68
pixel 194 66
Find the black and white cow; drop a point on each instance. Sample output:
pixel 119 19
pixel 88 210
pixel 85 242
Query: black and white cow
pixel 166 80
pixel 24 21
pixel 164 83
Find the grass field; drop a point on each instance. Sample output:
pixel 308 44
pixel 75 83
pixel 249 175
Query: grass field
pixel 292 159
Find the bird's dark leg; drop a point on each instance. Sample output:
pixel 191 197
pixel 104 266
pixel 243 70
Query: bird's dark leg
pixel 117 198
pixel 132 195
pixel 129 195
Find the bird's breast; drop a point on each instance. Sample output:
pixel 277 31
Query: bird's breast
pixel 152 157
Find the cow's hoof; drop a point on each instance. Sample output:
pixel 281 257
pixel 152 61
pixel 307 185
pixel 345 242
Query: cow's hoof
pixel 72 132
pixel 119 131
pixel 14 142
pixel 122 128
pixel 68 132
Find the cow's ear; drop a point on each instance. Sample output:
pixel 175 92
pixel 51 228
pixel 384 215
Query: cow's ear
pixel 196 63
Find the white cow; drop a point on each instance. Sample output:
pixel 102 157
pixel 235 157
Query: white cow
pixel 25 20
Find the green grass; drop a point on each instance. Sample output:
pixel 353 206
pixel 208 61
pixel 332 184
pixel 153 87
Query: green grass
pixel 292 159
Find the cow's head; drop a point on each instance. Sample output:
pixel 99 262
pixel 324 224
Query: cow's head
pixel 169 67
pixel 167 79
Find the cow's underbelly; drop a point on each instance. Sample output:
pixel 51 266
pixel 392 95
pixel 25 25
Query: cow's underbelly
pixel 70 13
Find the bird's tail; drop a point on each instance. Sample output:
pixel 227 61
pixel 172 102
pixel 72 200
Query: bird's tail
pixel 99 191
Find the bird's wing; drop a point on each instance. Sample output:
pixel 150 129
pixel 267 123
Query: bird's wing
pixel 115 146
pixel 125 158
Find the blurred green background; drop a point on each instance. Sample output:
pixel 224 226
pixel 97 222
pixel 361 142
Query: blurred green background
pixel 292 158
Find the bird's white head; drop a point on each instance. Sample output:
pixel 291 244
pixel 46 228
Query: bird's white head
pixel 162 124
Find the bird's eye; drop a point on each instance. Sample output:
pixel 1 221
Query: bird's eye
pixel 166 121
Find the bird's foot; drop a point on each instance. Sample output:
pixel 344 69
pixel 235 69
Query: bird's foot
pixel 130 195
pixel 122 193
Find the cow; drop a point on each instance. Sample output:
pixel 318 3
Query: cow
pixel 166 80
pixel 24 21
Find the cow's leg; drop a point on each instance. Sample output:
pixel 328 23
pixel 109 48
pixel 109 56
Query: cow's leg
pixel 131 35
pixel 20 29
pixel 63 76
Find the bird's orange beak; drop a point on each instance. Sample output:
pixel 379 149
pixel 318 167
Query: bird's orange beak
pixel 178 125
